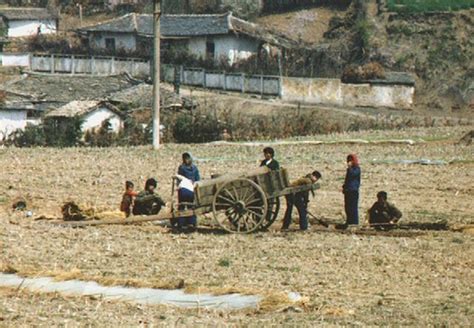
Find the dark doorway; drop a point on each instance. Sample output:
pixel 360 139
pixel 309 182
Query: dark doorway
pixel 210 50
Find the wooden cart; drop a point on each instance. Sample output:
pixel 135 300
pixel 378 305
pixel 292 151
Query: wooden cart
pixel 240 204
pixel 244 204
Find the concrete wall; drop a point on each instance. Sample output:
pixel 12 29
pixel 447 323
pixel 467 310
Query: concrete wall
pixel 260 84
pixel 94 120
pixel 227 47
pixel 89 65
pixel 11 120
pixel 126 41
pixel 15 59
pixel 334 92
pixel 18 28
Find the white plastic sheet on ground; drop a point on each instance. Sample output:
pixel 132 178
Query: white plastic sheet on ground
pixel 174 297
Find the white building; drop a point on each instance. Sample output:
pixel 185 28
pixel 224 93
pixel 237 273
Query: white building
pixel 21 22
pixel 16 116
pixel 217 37
pixel 92 112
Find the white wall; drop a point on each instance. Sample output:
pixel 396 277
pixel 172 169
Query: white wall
pixel 334 92
pixel 125 41
pixel 230 47
pixel 11 120
pixel 18 28
pixel 94 120
pixel 15 59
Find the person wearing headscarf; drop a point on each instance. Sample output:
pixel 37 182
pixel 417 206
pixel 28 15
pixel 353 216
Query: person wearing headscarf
pixel 351 190
pixel 187 169
pixel 188 174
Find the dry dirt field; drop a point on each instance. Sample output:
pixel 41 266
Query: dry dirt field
pixel 407 277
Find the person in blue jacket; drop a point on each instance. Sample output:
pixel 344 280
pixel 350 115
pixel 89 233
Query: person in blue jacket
pixel 187 170
pixel 351 190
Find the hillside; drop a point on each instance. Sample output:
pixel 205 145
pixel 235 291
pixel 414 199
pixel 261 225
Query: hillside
pixel 435 47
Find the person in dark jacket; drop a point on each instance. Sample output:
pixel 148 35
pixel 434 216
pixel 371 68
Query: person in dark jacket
pixel 351 190
pixel 186 171
pixel 383 212
pixel 147 202
pixel 300 200
pixel 269 161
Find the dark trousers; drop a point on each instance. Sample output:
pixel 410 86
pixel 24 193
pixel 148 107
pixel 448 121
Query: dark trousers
pixel 300 201
pixel 351 206
pixel 186 196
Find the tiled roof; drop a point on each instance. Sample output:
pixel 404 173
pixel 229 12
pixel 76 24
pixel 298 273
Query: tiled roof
pixel 182 26
pixel 80 108
pixel 130 23
pixel 74 108
pixel 26 13
pixel 65 88
pixel 194 25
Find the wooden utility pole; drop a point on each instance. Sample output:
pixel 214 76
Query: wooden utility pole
pixel 156 73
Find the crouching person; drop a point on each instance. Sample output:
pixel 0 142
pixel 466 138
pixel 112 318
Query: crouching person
pixel 300 201
pixel 185 199
pixel 383 212
pixel 147 202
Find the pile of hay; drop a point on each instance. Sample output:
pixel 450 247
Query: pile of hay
pixel 73 212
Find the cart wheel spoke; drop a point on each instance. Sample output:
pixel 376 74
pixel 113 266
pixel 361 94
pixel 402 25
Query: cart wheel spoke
pixel 229 201
pixel 240 206
pixel 254 213
pixel 232 196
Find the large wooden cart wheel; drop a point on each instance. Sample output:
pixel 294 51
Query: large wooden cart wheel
pixel 272 212
pixel 240 206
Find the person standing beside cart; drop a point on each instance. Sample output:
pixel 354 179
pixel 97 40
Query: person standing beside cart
pixel 350 190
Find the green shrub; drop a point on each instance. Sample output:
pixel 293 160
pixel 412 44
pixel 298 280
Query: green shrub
pixel 32 135
pixel 63 132
pixel 196 128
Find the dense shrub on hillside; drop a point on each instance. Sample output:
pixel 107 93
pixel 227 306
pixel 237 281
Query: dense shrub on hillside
pixel 51 133
pixel 270 6
pixel 194 128
pixel 60 44
pixel 370 71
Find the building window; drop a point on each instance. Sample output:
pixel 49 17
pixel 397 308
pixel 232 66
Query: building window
pixel 210 50
pixel 110 44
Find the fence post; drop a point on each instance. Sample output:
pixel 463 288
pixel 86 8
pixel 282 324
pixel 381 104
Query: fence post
pixel 224 85
pixel 181 74
pixel 261 85
pixel 73 64
pixel 91 65
pixel 280 87
pixel 203 78
pixel 242 82
pixel 30 61
pixel 134 68
pixel 52 63
pixel 112 65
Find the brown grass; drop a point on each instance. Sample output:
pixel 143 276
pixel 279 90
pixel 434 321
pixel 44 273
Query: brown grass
pixel 408 279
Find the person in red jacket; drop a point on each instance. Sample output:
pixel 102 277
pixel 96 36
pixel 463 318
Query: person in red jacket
pixel 128 198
